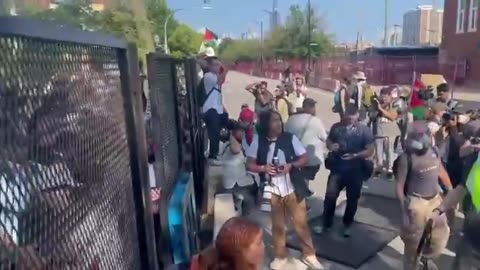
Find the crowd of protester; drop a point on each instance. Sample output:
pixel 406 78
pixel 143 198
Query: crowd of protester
pixel 425 142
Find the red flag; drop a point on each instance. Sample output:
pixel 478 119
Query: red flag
pixel 209 35
pixel 415 101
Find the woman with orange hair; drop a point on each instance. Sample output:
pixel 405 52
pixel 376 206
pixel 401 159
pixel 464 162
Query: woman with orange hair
pixel 239 246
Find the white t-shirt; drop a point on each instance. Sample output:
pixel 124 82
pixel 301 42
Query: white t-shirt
pixel 300 97
pixel 281 184
pixel 214 100
pixel 234 169
pixel 312 133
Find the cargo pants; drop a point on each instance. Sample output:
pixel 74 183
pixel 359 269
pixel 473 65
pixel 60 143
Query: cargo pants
pixel 419 211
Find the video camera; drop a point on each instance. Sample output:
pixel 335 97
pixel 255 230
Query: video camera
pixel 376 102
pixel 426 94
pixel 229 127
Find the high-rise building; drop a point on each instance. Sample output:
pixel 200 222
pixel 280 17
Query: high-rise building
pixel 422 26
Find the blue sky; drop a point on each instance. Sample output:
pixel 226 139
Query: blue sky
pixel 342 16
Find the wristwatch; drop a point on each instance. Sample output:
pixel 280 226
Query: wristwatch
pixel 440 211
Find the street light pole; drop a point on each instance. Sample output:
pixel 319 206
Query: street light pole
pixel 309 20
pixel 165 36
pixel 262 47
pixel 387 10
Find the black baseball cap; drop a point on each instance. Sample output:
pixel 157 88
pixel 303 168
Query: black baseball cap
pixel 442 88
pixel 308 103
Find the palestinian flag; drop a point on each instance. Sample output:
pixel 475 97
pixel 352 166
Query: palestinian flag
pixel 210 39
pixel 418 106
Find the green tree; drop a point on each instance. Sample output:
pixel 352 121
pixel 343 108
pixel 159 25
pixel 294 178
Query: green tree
pixel 184 41
pixel 287 41
pixel 157 13
pixel 292 41
pixel 241 50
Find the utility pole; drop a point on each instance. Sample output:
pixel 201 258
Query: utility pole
pixel 357 43
pixel 309 20
pixel 387 10
pixel 262 47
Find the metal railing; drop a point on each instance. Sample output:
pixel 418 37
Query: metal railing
pixel 73 181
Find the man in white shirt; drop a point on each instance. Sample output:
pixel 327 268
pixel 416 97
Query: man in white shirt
pixel 236 179
pixel 311 132
pixel 300 91
pixel 277 156
pixel 213 111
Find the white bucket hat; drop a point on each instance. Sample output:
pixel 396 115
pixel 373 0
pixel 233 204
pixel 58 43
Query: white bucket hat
pixel 209 52
pixel 359 75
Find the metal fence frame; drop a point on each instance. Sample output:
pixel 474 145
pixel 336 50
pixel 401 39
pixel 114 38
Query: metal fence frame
pixel 175 80
pixel 131 93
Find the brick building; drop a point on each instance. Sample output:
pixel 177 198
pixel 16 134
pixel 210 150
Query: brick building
pixel 461 41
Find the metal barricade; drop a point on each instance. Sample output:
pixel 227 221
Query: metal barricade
pixel 175 120
pixel 73 186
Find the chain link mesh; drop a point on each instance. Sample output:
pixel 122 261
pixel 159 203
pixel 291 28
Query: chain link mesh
pixel 66 198
pixel 184 113
pixel 164 122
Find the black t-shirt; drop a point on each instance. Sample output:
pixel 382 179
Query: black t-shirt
pixel 352 139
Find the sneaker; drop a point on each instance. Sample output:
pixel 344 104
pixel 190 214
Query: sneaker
pixel 321 229
pixel 278 264
pixel 347 232
pixel 214 162
pixel 312 262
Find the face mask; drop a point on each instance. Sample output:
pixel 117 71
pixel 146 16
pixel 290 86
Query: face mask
pixel 416 145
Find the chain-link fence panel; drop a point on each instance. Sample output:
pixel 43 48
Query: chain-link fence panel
pixel 66 196
pixel 163 101
pixel 184 115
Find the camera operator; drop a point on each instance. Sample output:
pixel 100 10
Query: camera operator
pixel 385 113
pixel 236 180
pixel 263 98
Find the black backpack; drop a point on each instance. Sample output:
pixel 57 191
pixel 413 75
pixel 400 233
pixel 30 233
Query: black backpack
pixel 202 94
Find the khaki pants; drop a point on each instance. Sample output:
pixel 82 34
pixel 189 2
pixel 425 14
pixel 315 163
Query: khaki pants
pixel 419 211
pixel 298 214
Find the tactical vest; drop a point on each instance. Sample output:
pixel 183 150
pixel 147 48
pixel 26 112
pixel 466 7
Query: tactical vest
pixel 284 143
pixel 473 184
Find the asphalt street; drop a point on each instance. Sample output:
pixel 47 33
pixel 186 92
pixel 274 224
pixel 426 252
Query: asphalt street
pixel 390 256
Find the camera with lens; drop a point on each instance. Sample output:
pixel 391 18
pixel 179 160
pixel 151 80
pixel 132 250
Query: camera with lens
pixel 426 94
pixel 229 127
pixel 447 117
pixel 475 140
pixel 376 102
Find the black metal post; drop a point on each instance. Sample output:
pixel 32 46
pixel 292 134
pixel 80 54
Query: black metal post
pixel 127 61
pixel 309 20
